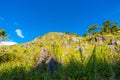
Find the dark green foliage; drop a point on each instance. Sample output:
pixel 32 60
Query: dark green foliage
pixel 16 73
pixel 3 35
pixel 114 29
pixel 106 28
pixel 107 23
pixel 92 28
pixel 5 57
pixel 85 35
pixel 67 33
pixel 109 27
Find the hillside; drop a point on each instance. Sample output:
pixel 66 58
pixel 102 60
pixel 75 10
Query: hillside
pixel 93 57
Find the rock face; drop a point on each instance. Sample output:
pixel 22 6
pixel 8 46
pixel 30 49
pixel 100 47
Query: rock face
pixel 115 48
pixel 118 42
pixel 47 60
pixel 51 64
pixel 100 39
pixel 113 45
pixel 80 48
pixel 75 39
pixel 114 42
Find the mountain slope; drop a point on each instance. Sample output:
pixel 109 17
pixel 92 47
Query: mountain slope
pixel 82 58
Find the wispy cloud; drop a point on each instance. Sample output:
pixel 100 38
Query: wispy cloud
pixel 7 43
pixel 19 33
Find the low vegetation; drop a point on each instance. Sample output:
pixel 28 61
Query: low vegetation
pixel 96 56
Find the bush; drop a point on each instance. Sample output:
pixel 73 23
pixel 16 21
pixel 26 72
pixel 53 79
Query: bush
pixel 5 57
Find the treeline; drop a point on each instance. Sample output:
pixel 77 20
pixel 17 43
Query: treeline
pixel 106 28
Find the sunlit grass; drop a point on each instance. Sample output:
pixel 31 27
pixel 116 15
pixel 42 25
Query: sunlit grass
pixel 96 63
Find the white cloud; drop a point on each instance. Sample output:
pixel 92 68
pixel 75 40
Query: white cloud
pixel 19 33
pixel 7 43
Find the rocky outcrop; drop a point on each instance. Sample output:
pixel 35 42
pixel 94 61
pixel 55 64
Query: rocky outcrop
pixel 75 39
pixel 47 60
pixel 113 45
pixel 118 42
pixel 114 42
pixel 80 48
pixel 100 39
pixel 114 48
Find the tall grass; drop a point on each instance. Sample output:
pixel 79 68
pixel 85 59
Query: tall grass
pixel 100 65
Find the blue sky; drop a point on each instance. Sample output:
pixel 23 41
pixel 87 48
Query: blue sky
pixel 24 20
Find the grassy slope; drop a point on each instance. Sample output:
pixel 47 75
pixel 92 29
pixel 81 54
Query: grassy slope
pixel 95 63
